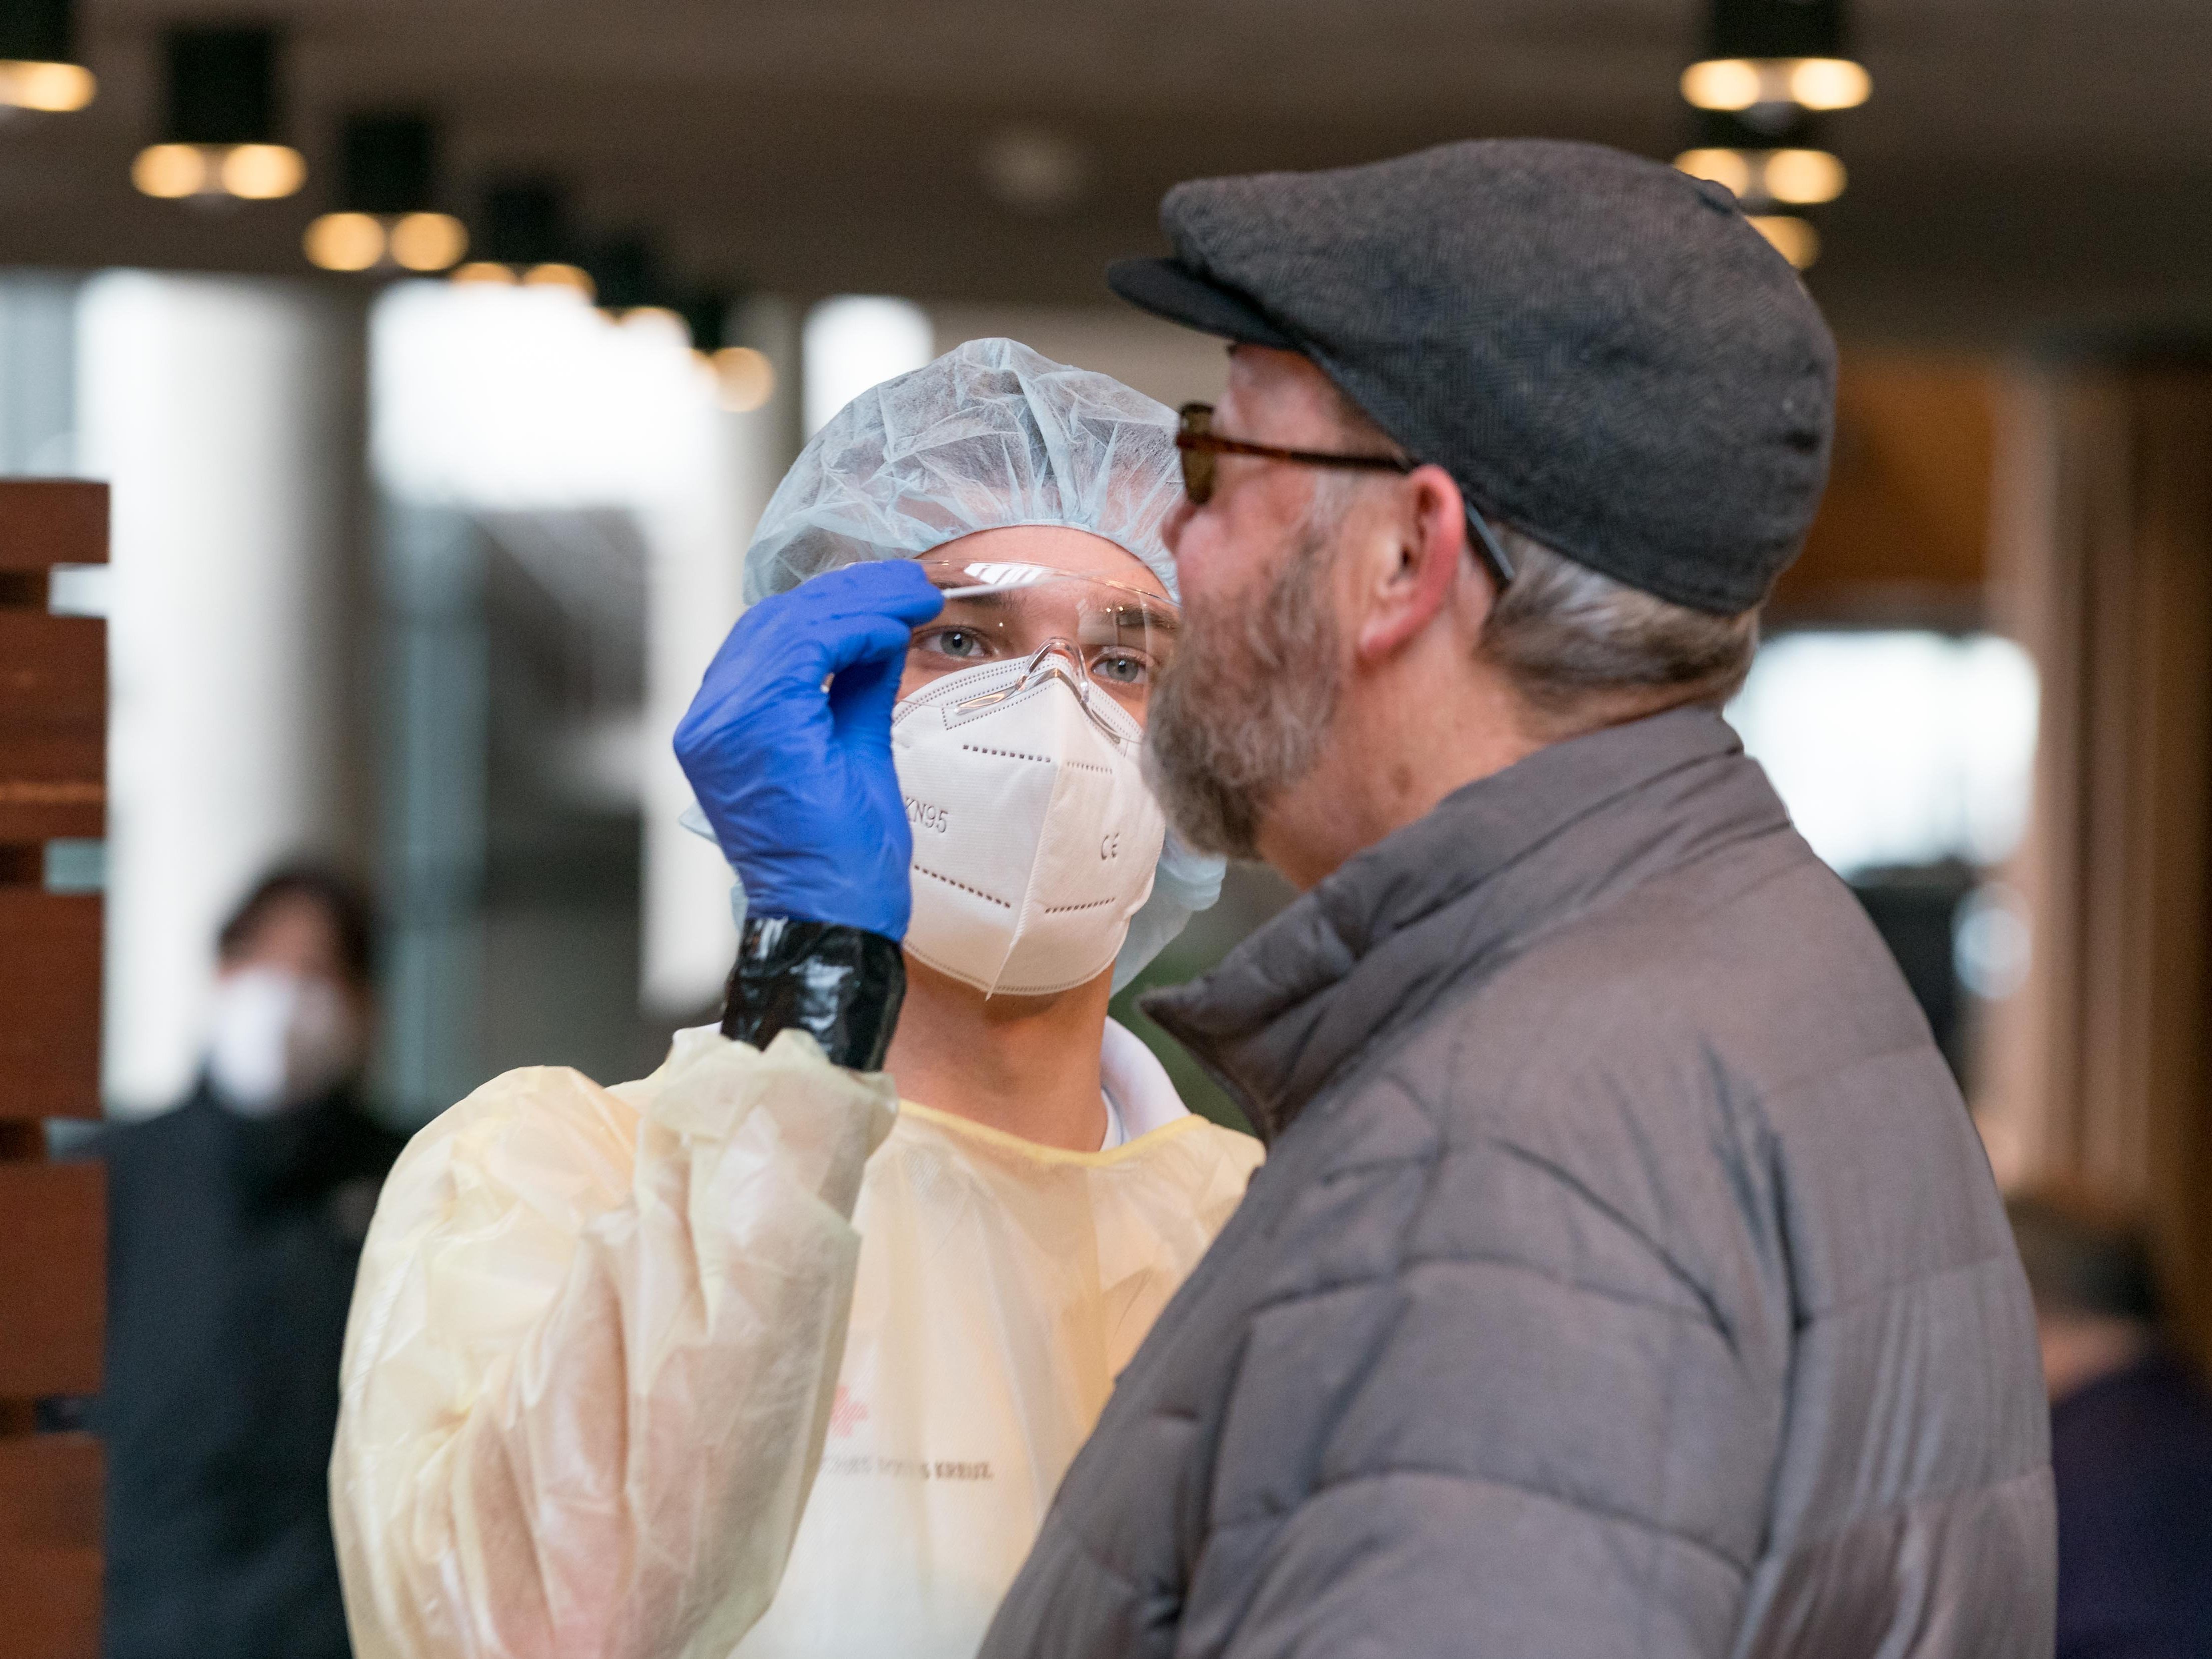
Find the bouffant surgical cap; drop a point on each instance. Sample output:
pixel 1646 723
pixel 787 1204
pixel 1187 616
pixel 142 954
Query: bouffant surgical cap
pixel 990 435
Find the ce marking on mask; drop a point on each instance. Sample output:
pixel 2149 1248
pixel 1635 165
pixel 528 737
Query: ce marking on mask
pixel 923 815
pixel 1109 845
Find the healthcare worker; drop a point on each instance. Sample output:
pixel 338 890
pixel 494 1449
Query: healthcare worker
pixel 767 1353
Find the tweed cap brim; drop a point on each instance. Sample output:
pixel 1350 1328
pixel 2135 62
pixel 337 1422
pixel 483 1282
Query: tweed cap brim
pixel 1170 288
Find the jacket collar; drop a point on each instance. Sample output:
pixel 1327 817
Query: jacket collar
pixel 1371 946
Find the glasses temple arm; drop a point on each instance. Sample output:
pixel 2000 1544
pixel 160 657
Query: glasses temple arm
pixel 1493 555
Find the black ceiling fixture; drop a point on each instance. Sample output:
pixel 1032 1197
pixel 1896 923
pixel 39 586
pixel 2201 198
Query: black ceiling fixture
pixel 388 214
pixel 625 274
pixel 223 86
pixel 224 134
pixel 39 66
pixel 525 223
pixel 1777 28
pixel 1772 59
pixel 706 313
pixel 388 164
pixel 523 236
pixel 1770 65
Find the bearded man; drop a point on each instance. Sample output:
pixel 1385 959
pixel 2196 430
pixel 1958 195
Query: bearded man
pixel 1626 1277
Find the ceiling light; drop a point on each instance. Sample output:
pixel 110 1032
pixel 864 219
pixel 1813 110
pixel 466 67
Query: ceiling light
pixel 1035 171
pixel 387 168
pixel 744 379
pixel 170 170
pixel 1803 178
pixel 1829 83
pixel 1723 83
pixel 427 241
pixel 1795 238
pixel 222 138
pixel 1732 167
pixel 262 173
pixel 346 241
pixel 1742 83
pixel 1799 177
pixel 54 87
pixel 555 273
pixel 38 68
pixel 1766 53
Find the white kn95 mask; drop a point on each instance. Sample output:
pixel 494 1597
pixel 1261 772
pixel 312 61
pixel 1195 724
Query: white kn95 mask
pixel 1034 837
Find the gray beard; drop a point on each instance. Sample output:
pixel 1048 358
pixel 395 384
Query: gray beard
pixel 1243 709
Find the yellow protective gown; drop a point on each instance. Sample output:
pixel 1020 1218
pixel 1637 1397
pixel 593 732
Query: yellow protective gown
pixel 606 1342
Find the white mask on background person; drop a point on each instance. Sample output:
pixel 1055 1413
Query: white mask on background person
pixel 276 1039
pixel 1035 836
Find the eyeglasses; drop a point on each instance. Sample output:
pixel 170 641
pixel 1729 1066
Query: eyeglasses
pixel 1199 446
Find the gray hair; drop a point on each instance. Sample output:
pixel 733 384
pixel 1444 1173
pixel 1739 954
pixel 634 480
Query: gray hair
pixel 1584 650
pixel 1581 649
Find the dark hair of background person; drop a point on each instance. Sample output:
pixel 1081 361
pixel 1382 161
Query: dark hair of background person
pixel 344 900
pixel 2085 1256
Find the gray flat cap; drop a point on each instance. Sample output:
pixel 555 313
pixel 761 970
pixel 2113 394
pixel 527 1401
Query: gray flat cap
pixel 1599 349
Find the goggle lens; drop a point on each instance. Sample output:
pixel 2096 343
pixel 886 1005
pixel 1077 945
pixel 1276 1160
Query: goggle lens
pixel 1120 636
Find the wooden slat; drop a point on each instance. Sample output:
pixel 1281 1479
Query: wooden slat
pixel 53 727
pixel 49 1536
pixel 50 521
pixel 53 1232
pixel 49 1492
pixel 49 1004
pixel 53 1289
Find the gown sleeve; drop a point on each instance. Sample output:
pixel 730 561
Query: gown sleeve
pixel 591 1355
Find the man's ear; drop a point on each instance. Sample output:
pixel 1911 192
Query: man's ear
pixel 1430 535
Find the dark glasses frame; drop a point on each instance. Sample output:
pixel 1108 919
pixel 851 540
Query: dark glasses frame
pixel 1198 444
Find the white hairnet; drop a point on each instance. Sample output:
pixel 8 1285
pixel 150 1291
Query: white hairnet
pixel 990 435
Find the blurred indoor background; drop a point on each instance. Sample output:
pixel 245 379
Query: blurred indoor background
pixel 441 355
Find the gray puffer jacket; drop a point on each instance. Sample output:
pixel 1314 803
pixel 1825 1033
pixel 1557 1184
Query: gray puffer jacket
pixel 1626 1277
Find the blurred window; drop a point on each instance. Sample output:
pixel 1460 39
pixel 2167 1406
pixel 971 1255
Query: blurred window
pixel 521 398
pixel 1898 747
pixel 856 340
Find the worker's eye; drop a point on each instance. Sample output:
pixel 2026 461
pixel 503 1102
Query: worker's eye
pixel 1120 668
pixel 962 644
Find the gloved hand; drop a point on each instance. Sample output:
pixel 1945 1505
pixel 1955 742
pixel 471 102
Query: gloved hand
pixel 797 781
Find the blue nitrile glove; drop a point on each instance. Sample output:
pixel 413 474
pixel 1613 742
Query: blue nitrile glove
pixel 797 779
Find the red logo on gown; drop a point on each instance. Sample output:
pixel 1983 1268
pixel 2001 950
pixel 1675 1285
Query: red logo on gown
pixel 846 1413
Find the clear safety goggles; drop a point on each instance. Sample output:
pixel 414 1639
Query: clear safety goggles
pixel 1102 636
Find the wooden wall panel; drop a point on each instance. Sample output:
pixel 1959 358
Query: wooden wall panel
pixel 53 727
pixel 1902 537
pixel 45 522
pixel 53 1226
pixel 49 1004
pixel 50 1545
pixel 53 1240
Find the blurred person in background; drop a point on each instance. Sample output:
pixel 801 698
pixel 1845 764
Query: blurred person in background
pixel 775 1349
pixel 2130 1437
pixel 235 1222
pixel 1625 1276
